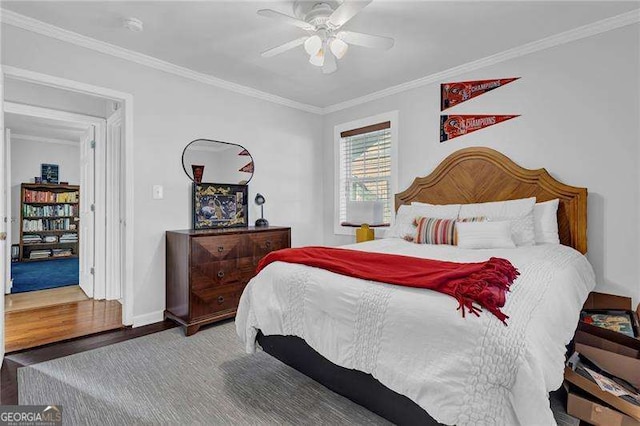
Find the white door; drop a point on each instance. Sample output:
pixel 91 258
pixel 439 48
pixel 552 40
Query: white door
pixel 7 203
pixel 87 210
pixel 115 228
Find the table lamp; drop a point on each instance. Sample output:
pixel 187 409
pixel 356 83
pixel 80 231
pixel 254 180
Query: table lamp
pixel 260 200
pixel 365 215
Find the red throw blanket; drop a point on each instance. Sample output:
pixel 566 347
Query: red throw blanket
pixel 482 283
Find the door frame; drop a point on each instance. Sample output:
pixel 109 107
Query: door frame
pixel 9 219
pixel 97 288
pixel 125 256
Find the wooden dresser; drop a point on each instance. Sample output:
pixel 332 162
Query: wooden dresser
pixel 208 269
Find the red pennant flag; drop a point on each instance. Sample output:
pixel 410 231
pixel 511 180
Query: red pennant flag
pixel 452 94
pixel 244 152
pixel 452 126
pixel 248 168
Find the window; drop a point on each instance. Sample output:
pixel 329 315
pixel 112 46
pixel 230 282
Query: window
pixel 365 168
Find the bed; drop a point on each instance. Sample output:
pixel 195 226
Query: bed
pixel 406 353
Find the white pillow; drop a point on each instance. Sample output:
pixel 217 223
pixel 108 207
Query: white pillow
pixel 403 225
pixel 545 221
pixel 484 235
pixel 436 211
pixel 519 212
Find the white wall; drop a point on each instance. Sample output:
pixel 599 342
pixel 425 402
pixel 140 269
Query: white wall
pixel 579 106
pixel 26 158
pixel 63 100
pixel 169 112
pixel 580 121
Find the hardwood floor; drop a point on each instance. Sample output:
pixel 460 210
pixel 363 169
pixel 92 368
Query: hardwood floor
pixel 35 327
pixel 9 370
pixel 41 298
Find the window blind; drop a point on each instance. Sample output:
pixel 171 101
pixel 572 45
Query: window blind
pixel 365 167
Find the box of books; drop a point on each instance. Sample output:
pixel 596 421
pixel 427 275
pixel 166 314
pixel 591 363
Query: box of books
pixel 608 322
pixel 592 411
pixel 607 384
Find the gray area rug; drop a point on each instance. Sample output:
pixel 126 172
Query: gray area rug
pixel 166 378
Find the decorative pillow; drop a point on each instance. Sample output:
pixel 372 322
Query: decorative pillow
pixel 545 221
pixel 431 230
pixel 439 231
pixel 436 211
pixel 519 212
pixel 522 230
pixel 403 225
pixel 485 235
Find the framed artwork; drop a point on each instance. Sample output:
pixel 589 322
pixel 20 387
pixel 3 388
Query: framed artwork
pixel 49 173
pixel 219 206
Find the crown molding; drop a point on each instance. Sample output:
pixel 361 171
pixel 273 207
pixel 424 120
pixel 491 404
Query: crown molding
pixel 598 27
pixel 24 22
pixel 30 24
pixel 31 138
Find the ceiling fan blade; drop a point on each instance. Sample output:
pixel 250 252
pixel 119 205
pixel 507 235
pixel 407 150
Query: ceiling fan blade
pixel 346 11
pixel 269 13
pixel 330 64
pixel 366 40
pixel 284 47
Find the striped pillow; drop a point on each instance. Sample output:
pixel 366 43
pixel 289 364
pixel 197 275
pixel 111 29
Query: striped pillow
pixel 439 231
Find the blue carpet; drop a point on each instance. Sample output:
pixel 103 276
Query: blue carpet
pixel 31 276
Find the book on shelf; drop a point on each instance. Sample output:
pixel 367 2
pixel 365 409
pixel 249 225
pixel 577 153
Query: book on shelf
pixel 33 196
pixel 39 254
pixel 50 211
pixel 63 224
pixel 69 238
pixel 61 252
pixel 31 239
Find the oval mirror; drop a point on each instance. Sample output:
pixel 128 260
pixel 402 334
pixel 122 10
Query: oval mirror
pixel 206 160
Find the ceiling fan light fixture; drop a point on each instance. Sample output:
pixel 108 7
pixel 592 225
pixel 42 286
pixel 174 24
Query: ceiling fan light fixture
pixel 313 45
pixel 317 59
pixel 338 47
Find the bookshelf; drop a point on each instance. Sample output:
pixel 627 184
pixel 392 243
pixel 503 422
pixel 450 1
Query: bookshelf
pixel 49 221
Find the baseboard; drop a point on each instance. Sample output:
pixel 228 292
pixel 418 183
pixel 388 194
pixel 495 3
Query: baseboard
pixel 146 319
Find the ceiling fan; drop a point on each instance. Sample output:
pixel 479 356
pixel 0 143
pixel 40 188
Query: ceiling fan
pixel 323 21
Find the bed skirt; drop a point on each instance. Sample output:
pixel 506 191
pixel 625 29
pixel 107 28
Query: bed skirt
pixel 359 387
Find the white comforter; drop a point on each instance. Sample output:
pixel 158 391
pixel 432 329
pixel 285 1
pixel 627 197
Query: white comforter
pixel 461 371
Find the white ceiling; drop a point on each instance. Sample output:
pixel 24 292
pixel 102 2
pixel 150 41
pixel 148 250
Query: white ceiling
pixel 43 128
pixel 224 38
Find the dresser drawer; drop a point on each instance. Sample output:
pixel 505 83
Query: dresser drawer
pixel 205 302
pixel 259 244
pixel 216 274
pixel 208 249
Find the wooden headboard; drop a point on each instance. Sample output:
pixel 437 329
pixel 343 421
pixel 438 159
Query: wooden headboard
pixel 478 175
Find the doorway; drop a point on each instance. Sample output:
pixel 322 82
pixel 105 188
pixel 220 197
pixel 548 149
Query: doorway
pixel 49 189
pixel 80 219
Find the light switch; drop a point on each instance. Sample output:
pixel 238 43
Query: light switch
pixel 158 192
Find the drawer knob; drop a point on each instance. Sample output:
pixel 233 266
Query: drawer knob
pixel 220 299
pixel 220 249
pixel 220 274
pixel 268 244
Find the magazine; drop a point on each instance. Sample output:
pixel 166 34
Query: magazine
pixel 619 321
pixel 607 384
